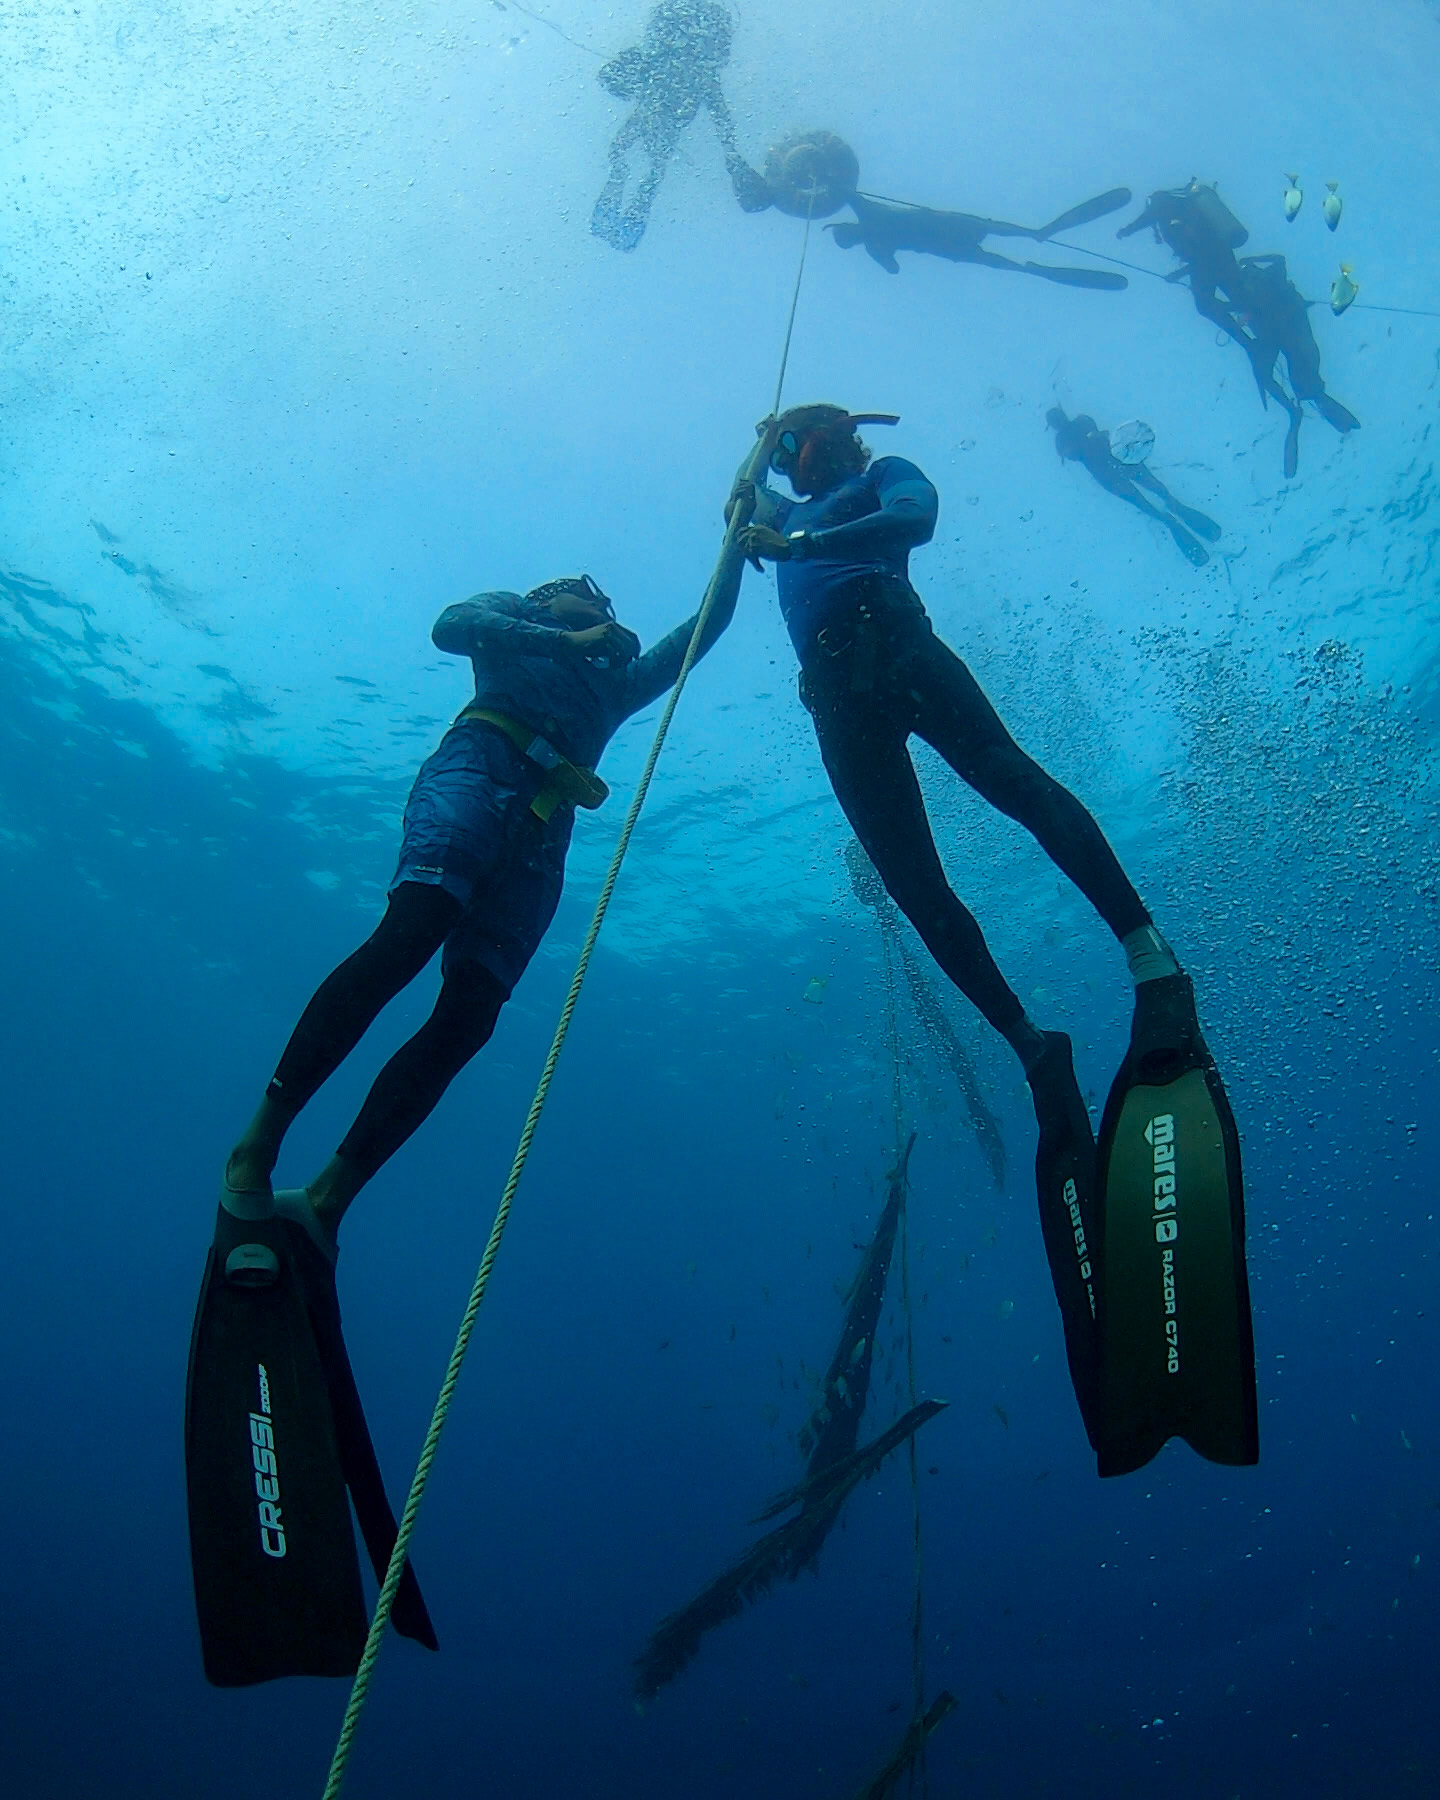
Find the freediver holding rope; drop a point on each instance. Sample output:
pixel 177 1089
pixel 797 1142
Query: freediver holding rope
pixel 874 673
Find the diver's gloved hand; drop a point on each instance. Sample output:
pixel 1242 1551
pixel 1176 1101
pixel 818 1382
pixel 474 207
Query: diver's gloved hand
pixel 751 188
pixel 760 543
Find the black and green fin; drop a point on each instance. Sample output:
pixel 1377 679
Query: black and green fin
pixel 274 1434
pixel 1177 1354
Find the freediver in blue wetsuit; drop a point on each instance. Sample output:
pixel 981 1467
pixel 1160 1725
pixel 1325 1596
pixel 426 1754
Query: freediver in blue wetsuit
pixel 482 862
pixel 873 673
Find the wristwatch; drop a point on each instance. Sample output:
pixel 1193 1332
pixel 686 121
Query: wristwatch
pixel 799 542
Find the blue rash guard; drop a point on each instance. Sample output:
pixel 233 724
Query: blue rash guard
pixel 866 526
pixel 469 828
pixel 527 669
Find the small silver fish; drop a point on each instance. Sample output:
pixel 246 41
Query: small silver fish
pixel 1343 290
pixel 1293 200
pixel 1334 205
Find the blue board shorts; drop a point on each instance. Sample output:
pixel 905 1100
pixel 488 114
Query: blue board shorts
pixel 469 829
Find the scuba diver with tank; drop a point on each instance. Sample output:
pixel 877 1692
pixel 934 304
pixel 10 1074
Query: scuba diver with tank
pixel 1262 309
pixel 874 673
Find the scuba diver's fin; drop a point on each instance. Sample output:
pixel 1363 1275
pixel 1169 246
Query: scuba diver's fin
pixel 1065 1189
pixel 1189 546
pixel 1177 1356
pixel 1081 278
pixel 1088 210
pixel 274 1434
pixel 1197 521
pixel 1292 443
pixel 1333 413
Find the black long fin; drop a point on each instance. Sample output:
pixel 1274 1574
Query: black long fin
pixel 1065 1183
pixel 358 1460
pixel 1087 211
pixel 1177 1352
pixel 1100 279
pixel 277 1579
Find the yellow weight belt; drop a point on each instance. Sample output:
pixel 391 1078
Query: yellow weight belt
pixel 565 784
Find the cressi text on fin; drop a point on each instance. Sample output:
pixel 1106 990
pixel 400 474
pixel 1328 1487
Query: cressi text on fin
pixel 277 1580
pixel 274 1437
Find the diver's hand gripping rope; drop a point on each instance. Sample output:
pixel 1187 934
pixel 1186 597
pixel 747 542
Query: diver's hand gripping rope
pixel 754 470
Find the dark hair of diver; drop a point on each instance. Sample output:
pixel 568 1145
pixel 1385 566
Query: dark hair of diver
pixel 799 427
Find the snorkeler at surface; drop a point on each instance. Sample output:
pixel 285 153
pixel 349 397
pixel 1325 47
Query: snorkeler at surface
pixel 883 228
pixel 1262 310
pixel 1081 440
pixel 482 861
pixel 672 74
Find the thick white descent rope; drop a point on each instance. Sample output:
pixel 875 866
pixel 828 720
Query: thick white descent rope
pixel 753 471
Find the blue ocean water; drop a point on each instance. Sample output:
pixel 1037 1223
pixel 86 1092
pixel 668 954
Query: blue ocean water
pixel 304 337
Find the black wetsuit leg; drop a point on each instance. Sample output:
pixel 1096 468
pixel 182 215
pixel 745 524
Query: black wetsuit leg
pixel 1189 546
pixel 416 923
pixel 863 720
pixel 408 1088
pixel 954 717
pixel 871 683
pixel 1187 515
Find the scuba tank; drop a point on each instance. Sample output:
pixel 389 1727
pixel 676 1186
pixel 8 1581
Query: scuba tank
pixel 1212 214
pixel 1187 213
